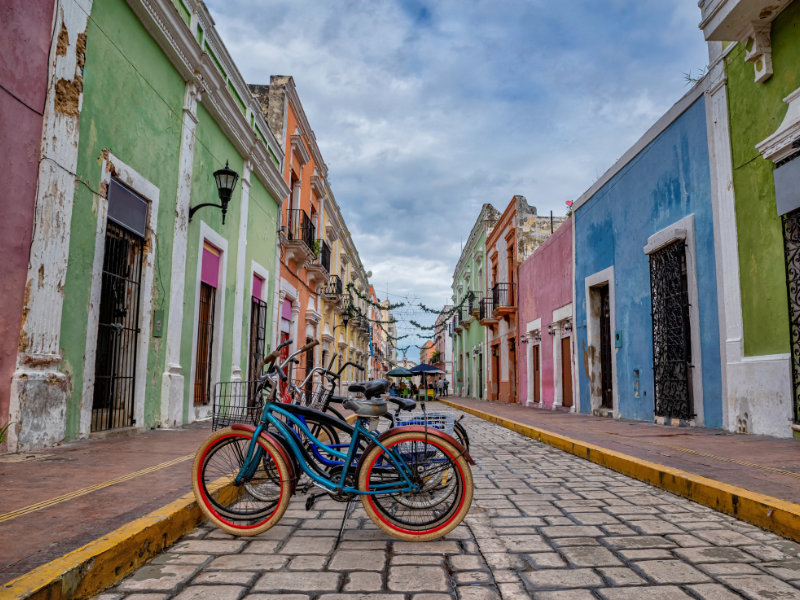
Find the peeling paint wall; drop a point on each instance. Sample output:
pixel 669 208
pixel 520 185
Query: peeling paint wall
pixel 24 46
pixel 123 113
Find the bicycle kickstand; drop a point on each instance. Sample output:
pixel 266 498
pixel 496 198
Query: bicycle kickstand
pixel 347 513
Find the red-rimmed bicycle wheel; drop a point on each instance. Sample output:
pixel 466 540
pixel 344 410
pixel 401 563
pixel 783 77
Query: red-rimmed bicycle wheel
pixel 251 507
pixel 440 504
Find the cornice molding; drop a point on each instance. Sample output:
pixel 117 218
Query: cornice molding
pixel 162 20
pixel 299 148
pixel 779 145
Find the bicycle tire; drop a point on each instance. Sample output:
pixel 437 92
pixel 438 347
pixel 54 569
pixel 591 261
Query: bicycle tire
pixel 227 505
pixel 451 510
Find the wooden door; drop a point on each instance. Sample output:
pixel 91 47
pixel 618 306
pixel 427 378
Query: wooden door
pixel 512 371
pixel 606 378
pixel 566 371
pixel 537 376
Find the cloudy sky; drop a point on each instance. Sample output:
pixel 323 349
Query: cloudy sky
pixel 425 110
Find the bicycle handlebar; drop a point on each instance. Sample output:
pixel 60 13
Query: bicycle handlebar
pixel 272 356
pixel 359 367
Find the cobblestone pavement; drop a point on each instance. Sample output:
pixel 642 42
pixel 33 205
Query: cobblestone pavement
pixel 544 524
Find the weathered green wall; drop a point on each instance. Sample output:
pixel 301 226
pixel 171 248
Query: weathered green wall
pixel 262 226
pixel 127 115
pixel 756 111
pixel 212 148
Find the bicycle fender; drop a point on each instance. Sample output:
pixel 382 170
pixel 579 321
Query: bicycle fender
pixel 281 450
pixel 432 432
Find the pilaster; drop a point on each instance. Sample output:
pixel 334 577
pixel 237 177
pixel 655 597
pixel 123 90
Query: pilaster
pixel 38 387
pixel 238 307
pixel 172 381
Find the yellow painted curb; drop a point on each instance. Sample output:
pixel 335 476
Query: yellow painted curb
pixel 98 565
pixel 767 512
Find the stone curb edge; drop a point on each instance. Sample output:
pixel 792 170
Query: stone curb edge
pixel 769 513
pixel 99 564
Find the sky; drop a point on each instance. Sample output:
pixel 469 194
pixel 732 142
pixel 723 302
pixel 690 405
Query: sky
pixel 425 110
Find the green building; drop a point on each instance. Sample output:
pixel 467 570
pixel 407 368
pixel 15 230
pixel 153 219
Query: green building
pixel 469 282
pixel 754 135
pixel 134 308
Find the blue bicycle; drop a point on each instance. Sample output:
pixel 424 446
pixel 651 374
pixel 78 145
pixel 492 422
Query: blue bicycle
pixel 414 482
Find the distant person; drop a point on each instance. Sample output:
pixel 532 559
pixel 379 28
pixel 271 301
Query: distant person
pixel 446 384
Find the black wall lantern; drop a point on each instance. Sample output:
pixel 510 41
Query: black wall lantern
pixel 226 181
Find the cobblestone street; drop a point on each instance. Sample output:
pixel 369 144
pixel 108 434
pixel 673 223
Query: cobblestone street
pixel 544 524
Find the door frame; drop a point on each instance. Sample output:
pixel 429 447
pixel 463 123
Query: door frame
pixel 126 175
pixel 592 284
pixel 531 329
pixel 255 269
pixel 560 317
pixel 684 231
pixel 207 234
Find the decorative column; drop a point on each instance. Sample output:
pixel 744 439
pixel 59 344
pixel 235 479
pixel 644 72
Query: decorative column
pixel 558 392
pixel 38 398
pixel 238 306
pixel 723 205
pixel 172 381
pixel 294 328
pixel 529 375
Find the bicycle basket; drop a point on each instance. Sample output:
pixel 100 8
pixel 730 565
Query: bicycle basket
pixel 237 402
pixel 442 420
pixel 311 395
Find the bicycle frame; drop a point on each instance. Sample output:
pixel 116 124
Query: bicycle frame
pixel 254 455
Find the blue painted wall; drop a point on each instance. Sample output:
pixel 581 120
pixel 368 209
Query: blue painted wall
pixel 668 180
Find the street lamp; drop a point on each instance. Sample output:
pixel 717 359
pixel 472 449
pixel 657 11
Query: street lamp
pixel 226 180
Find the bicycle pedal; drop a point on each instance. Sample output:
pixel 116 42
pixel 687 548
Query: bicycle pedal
pixel 310 501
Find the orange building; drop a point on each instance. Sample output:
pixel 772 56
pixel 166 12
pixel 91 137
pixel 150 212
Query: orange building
pixel 303 261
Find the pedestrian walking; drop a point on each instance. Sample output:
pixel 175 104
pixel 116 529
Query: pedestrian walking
pixel 446 384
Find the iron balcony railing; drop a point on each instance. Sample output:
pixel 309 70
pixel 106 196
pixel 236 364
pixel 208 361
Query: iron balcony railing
pixel 300 227
pixel 324 258
pixel 334 286
pixel 486 307
pixel 503 295
pixel 474 302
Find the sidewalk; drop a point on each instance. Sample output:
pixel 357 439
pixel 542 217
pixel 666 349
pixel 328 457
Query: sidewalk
pixel 36 537
pixel 759 464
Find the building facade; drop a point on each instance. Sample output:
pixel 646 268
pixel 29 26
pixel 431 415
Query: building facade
pixel 646 312
pixel 443 352
pixel 517 233
pixel 546 358
pixel 159 296
pixel 23 74
pixel 754 128
pixel 469 288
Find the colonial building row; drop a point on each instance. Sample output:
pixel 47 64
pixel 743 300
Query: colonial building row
pixel 671 292
pixel 172 224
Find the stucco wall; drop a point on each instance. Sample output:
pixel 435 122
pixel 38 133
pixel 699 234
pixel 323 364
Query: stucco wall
pixel 128 116
pixel 545 284
pixel 756 111
pixel 665 182
pixel 24 46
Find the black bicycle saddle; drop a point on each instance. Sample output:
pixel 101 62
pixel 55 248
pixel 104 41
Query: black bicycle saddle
pixel 403 403
pixel 370 389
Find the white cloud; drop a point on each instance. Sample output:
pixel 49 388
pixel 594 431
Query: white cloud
pixel 426 110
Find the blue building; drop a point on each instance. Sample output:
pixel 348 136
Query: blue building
pixel 646 315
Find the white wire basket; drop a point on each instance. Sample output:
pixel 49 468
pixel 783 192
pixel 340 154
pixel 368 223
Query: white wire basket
pixel 439 419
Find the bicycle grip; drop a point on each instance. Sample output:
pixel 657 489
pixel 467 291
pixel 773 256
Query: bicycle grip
pixel 309 346
pixel 268 359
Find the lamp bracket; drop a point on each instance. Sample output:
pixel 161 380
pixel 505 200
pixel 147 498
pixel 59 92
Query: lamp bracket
pixel 194 209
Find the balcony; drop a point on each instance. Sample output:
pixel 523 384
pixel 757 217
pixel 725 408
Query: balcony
pixel 486 312
pixel 299 237
pixel 474 304
pixel 334 289
pixel 457 324
pixel 503 299
pixel 320 268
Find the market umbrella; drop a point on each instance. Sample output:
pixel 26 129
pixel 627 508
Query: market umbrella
pixel 400 372
pixel 426 369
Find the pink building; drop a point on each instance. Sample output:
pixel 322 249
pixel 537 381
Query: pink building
pixel 546 375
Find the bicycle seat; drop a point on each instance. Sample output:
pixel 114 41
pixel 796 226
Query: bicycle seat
pixel 367 408
pixel 403 403
pixel 370 389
